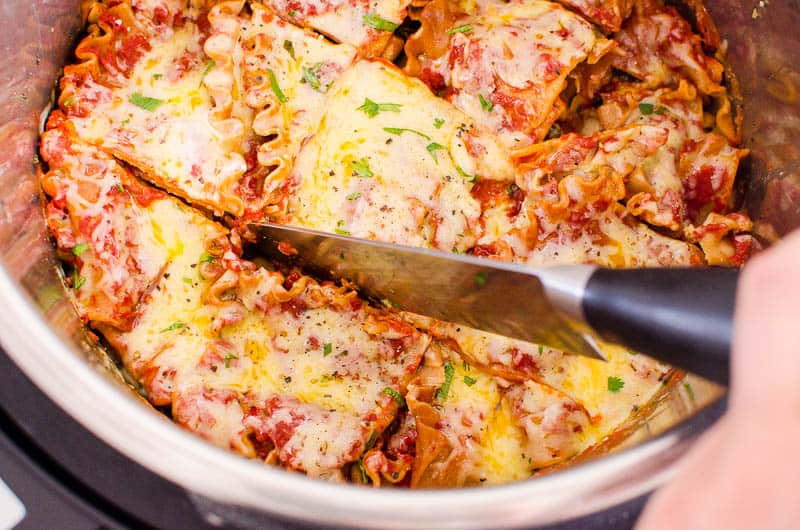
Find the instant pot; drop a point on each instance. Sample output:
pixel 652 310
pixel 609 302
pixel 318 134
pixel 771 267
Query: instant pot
pixel 79 449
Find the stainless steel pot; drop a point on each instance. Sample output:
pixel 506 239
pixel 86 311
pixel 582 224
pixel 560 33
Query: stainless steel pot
pixel 41 333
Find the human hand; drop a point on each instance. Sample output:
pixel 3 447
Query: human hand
pixel 745 472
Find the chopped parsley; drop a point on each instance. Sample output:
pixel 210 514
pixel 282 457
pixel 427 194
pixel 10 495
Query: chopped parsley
pixel 327 348
pixel 432 148
pixel 438 122
pixel 339 230
pixel 208 68
pixel 77 281
pixel 469 381
pixel 689 392
pixel 372 109
pixel 175 325
pixel 36 159
pixel 661 110
pixel 147 103
pixel 615 384
pixel 485 105
pixel 120 187
pixel 293 13
pixel 394 394
pixel 79 249
pixel 188 280
pixel 511 189
pixel 361 168
pixel 289 47
pixel 205 257
pixel 381 24
pixel 353 196
pixel 465 28
pixel 156 77
pixel 228 358
pixel 69 101
pixel 310 77
pixel 481 278
pixel 276 89
pixel 541 349
pixel 442 391
pixel 646 108
pixel 126 121
pixel 470 178
pixel 399 130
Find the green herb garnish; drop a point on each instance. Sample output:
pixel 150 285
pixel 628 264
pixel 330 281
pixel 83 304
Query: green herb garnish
pixel 340 230
pixel 208 68
pixel 432 148
pixel 469 381
pixel 175 325
pixel 147 103
pixel 689 392
pixel 327 348
pixel 361 168
pixel 438 122
pixel 276 89
pixel 485 105
pixel 442 391
pixel 541 349
pixel 310 76
pixel 381 24
pixel 646 108
pixel 395 395
pixel 69 101
pixel 470 178
pixel 481 278
pixel 77 281
pixel 615 384
pixel 79 249
pixel 156 77
pixel 188 280
pixel 353 196
pixel 661 110
pixel 228 358
pixel 465 28
pixel 205 257
pixel 289 47
pixel 371 109
pixel 399 130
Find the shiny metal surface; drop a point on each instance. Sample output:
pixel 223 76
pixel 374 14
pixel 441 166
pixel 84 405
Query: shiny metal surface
pixel 456 288
pixel 40 332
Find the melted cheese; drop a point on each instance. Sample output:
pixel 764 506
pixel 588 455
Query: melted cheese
pixel 509 68
pixel 168 136
pixel 393 175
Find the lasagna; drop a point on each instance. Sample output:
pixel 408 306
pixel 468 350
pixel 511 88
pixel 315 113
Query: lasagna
pixel 542 133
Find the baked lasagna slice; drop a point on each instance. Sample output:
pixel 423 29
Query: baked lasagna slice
pixel 391 161
pixel 140 94
pixel 271 365
pixel 505 65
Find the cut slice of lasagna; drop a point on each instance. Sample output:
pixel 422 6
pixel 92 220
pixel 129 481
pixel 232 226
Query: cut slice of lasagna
pixel 278 366
pixel 506 65
pixel 390 161
pixel 139 94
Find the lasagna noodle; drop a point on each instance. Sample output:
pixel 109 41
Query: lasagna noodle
pixel 153 110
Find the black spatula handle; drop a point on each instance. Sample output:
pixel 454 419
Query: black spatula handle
pixel 683 317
